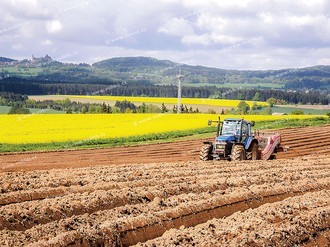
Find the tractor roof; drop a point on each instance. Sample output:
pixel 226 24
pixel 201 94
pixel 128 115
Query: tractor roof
pixel 238 120
pixel 233 119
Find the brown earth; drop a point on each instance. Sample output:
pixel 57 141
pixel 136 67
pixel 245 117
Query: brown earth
pixel 215 203
pixel 301 141
pixel 160 195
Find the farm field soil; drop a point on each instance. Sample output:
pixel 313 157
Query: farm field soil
pixel 160 195
pixel 251 203
pixel 301 141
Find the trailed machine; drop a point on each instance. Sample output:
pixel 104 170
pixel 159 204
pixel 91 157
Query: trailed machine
pixel 235 141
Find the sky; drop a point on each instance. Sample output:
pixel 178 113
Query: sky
pixel 228 34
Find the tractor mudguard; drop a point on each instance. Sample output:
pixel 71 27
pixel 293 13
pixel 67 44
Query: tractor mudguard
pixel 249 141
pixel 211 143
pixel 238 143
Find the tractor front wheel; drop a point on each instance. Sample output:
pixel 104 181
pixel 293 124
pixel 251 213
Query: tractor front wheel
pixel 237 153
pixel 206 152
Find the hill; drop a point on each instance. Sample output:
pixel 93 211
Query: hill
pixel 133 62
pixel 6 60
pixel 165 72
pixel 151 71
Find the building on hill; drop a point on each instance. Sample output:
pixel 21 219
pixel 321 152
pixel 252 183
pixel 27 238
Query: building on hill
pixel 41 59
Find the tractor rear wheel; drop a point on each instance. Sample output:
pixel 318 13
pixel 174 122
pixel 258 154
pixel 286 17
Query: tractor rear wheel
pixel 252 153
pixel 237 153
pixel 206 152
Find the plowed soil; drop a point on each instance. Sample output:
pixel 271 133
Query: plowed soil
pixel 301 141
pixel 146 197
pixel 210 203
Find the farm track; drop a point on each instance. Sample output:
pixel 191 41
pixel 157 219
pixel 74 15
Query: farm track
pixel 108 198
pixel 301 141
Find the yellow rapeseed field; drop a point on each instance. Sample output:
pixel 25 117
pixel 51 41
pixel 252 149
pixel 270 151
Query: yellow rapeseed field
pixel 185 101
pixel 39 128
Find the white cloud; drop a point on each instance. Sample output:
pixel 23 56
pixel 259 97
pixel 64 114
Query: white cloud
pixel 46 42
pixel 177 27
pixel 32 9
pixel 244 33
pixel 303 20
pixel 226 39
pixel 203 39
pixel 208 39
pixel 208 21
pixel 267 17
pixel 54 26
pixel 17 47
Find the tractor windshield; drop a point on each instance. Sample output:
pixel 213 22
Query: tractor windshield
pixel 230 128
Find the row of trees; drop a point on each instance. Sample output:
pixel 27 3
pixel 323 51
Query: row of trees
pixel 19 105
pixel 20 86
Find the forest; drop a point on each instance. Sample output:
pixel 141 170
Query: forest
pixel 27 87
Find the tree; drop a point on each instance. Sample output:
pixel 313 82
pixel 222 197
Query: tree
pixel 254 106
pixel 239 95
pixel 66 102
pixel 175 109
pixel 256 97
pixel 104 108
pixel 115 110
pixel 297 112
pixel 98 108
pixel 17 109
pixel 30 103
pixel 185 109
pixel 84 110
pixel 211 111
pixel 92 109
pixel 142 108
pixel 243 107
pixel 69 110
pixel 271 101
pixel 124 105
pixel 267 111
pixel 163 108
pixel 109 109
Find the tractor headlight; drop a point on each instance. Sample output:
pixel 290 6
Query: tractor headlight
pixel 221 145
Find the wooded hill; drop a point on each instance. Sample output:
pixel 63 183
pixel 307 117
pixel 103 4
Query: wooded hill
pixel 151 71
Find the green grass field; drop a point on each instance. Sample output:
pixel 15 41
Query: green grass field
pixel 288 110
pixel 45 111
pixel 24 72
pixel 238 85
pixel 5 110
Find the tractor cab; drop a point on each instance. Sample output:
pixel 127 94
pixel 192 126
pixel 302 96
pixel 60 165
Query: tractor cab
pixel 235 130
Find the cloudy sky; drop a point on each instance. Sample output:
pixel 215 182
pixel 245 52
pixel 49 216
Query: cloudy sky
pixel 230 34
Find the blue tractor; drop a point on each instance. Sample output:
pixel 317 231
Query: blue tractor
pixel 234 141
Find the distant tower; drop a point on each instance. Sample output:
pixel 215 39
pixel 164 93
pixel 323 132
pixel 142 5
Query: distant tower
pixel 180 79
